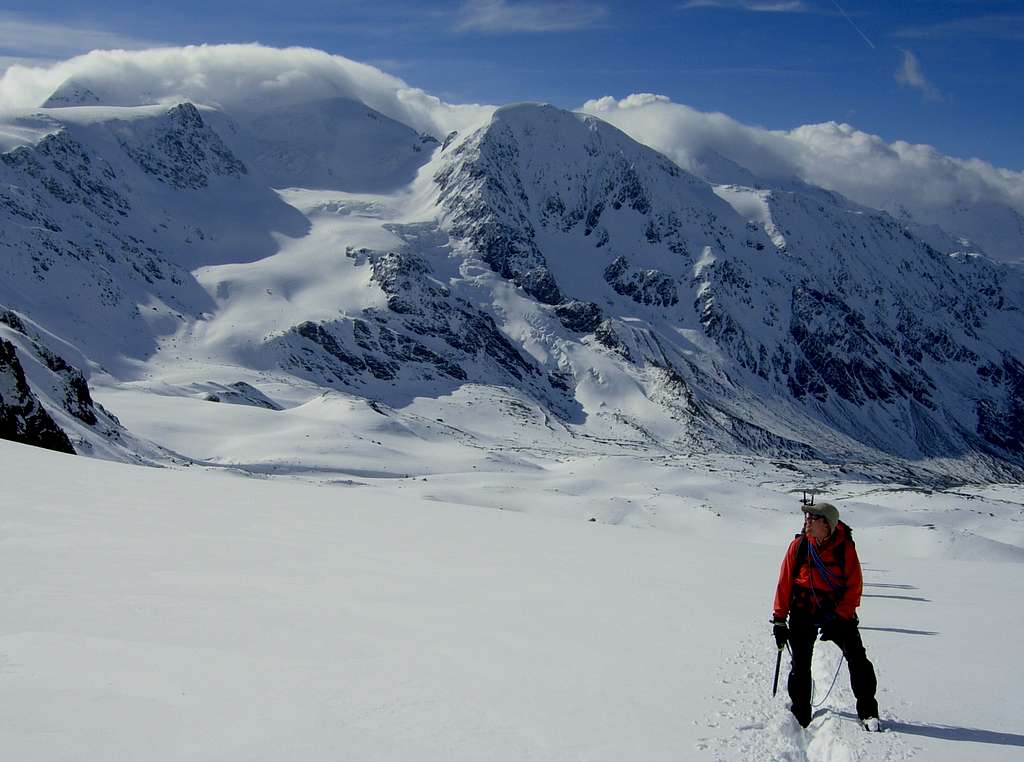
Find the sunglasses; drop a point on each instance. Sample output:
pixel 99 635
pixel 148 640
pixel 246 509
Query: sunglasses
pixel 815 516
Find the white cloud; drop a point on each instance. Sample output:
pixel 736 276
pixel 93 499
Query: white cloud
pixel 861 166
pixel 502 16
pixel 249 77
pixel 910 74
pixel 22 38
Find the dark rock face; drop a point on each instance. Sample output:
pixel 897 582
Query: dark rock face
pixel 69 175
pixel 77 399
pixel 642 286
pixel 430 310
pixel 608 338
pixel 184 152
pixel 63 386
pixel 9 318
pixel 581 317
pixel 840 353
pixel 1001 422
pixel 427 335
pixel 22 418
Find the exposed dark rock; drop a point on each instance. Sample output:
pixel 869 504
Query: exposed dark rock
pixel 317 334
pixel 581 317
pixel 1001 423
pixel 839 350
pixel 22 418
pixel 77 399
pixel 184 152
pixel 70 175
pixel 430 310
pixel 649 287
pixel 607 337
pixel 449 139
pixel 11 319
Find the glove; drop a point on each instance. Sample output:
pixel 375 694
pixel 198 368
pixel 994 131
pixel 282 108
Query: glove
pixel 834 629
pixel 781 632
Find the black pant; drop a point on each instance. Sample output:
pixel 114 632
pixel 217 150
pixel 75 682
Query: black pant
pixel 862 674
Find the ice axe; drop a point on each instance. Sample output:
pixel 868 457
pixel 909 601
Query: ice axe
pixel 775 682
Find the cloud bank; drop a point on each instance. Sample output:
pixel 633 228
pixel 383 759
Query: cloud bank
pixel 839 157
pixel 235 78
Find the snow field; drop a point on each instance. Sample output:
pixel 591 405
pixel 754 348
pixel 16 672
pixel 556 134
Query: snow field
pixel 183 614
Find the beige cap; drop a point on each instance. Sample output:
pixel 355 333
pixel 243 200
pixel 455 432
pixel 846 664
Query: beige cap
pixel 829 511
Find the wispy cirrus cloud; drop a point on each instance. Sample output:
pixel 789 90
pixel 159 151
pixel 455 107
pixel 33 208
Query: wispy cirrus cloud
pixel 990 27
pixel 501 16
pixel 757 6
pixel 23 38
pixel 911 75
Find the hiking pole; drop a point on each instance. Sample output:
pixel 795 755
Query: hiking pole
pixel 775 682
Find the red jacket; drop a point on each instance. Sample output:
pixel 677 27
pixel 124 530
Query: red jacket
pixel 847 576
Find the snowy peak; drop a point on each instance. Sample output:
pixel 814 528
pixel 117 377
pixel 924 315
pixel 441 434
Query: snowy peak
pixel 336 143
pixel 802 296
pixel 536 171
pixel 71 93
pixel 179 149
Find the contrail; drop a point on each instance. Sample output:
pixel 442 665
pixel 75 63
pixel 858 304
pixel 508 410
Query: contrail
pixel 869 42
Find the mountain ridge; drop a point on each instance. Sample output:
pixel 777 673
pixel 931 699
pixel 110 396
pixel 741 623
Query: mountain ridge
pixel 709 305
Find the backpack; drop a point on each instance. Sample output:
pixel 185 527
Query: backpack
pixel 801 550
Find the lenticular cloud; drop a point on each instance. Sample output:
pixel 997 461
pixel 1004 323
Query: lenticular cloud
pixel 839 157
pixel 234 77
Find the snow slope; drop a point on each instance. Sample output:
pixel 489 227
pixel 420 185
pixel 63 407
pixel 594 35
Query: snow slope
pixel 168 614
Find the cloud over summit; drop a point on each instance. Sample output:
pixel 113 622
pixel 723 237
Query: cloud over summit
pixel 234 77
pixel 839 157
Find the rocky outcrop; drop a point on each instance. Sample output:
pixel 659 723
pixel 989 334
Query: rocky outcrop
pixel 648 287
pixel 426 336
pixel 182 151
pixel 22 417
pixel 580 317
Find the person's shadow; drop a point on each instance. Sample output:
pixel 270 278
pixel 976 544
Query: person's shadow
pixel 949 732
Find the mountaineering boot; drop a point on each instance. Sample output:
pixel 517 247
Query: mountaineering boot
pixel 871 724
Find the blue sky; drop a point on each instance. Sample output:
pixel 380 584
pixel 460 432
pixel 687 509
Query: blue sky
pixel 943 73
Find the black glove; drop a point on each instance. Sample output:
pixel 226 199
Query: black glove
pixel 781 633
pixel 834 629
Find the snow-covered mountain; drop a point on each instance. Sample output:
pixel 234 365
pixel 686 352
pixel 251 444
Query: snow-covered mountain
pixel 545 263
